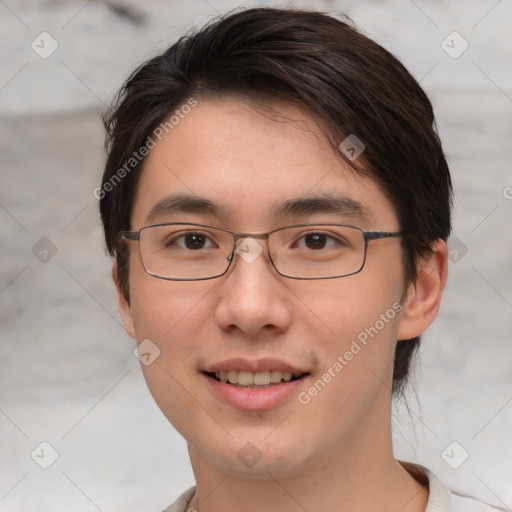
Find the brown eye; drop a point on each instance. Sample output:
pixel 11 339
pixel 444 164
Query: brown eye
pixel 194 241
pixel 315 241
pixel 191 241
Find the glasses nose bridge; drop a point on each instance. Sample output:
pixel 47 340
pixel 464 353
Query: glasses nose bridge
pixel 238 243
pixel 237 237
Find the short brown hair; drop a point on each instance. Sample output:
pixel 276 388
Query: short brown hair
pixel 324 65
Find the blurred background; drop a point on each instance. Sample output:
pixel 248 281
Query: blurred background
pixel 78 428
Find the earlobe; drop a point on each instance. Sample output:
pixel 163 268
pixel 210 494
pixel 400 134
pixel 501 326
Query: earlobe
pixel 123 304
pixel 424 295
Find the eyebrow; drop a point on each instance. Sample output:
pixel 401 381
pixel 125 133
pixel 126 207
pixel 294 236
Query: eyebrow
pixel 326 203
pixel 183 203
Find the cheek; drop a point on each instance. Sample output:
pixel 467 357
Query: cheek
pixel 160 308
pixel 171 315
pixel 357 354
pixel 350 306
pixel 167 314
pixel 356 361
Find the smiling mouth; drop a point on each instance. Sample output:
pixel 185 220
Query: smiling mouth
pixel 254 380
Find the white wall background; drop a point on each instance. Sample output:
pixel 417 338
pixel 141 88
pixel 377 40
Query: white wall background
pixel 68 375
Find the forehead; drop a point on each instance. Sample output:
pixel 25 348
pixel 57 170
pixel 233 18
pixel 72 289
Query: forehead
pixel 251 167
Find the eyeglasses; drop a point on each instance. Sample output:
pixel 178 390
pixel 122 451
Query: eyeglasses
pixel 192 252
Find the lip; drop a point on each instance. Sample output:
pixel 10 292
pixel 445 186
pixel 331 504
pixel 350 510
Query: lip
pixel 259 365
pixel 254 399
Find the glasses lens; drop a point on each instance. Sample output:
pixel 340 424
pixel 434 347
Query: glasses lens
pixel 182 251
pixel 319 251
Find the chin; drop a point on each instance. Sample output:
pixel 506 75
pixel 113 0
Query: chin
pixel 259 459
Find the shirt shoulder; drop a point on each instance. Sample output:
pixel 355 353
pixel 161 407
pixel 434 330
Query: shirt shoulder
pixel 441 499
pixel 462 503
pixel 181 504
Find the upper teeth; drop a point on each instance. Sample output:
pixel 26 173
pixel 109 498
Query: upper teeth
pixel 245 378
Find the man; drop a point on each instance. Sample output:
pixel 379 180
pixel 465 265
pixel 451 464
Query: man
pixel 277 202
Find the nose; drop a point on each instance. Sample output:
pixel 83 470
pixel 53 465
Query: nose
pixel 253 297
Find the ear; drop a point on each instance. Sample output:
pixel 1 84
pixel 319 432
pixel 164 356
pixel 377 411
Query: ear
pixel 123 304
pixel 424 295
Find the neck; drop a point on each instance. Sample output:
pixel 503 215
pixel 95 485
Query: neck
pixel 365 476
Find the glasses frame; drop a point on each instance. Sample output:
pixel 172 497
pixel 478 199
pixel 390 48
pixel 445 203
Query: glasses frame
pixel 368 236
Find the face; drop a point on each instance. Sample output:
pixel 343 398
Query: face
pixel 254 320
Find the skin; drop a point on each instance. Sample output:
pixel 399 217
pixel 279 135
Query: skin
pixel 334 453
